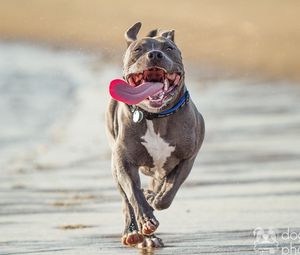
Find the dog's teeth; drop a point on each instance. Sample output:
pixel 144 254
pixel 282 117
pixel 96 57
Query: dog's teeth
pixel 131 82
pixel 171 76
pixel 177 80
pixel 135 78
pixel 166 84
pixel 139 77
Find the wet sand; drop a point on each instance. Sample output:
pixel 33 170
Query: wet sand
pixel 58 196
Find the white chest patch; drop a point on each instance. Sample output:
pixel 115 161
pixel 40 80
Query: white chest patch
pixel 157 147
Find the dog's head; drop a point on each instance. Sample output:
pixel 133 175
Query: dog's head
pixel 154 58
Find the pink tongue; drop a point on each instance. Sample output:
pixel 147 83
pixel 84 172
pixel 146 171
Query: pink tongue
pixel 122 91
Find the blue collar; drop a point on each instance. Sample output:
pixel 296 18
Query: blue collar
pixel 139 114
pixel 182 101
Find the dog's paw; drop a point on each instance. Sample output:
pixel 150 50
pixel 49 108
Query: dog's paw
pixel 150 196
pixel 149 226
pixel 132 238
pixel 151 242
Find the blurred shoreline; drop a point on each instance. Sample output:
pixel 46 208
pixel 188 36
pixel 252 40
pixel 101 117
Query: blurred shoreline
pixel 253 38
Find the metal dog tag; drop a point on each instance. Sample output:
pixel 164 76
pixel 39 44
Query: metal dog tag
pixel 137 116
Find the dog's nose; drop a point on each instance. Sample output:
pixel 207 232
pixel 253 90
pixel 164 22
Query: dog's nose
pixel 155 55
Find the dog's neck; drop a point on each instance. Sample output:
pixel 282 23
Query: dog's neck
pixel 181 100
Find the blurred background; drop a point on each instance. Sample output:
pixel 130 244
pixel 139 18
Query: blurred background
pixel 242 63
pixel 249 36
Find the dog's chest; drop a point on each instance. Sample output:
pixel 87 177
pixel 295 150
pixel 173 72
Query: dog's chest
pixel 159 149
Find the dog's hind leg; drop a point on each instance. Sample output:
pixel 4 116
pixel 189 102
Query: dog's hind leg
pixel 151 241
pixel 170 185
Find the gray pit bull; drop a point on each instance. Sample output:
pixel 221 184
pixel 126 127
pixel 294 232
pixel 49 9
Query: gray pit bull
pixel 159 137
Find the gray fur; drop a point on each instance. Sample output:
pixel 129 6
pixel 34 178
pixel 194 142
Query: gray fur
pixel 131 33
pixel 183 130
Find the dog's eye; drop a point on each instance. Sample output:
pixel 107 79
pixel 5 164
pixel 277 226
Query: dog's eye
pixel 169 48
pixel 138 49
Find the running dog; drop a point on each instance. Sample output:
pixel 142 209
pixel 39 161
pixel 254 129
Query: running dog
pixel 159 136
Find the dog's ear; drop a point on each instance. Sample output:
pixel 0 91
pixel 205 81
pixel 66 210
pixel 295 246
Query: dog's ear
pixel 131 33
pixel 169 34
pixel 152 33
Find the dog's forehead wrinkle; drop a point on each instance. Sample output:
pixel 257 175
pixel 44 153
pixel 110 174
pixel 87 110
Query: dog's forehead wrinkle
pixel 154 43
pixel 150 43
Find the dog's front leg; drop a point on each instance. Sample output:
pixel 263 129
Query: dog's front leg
pixel 127 177
pixel 170 185
pixel 131 236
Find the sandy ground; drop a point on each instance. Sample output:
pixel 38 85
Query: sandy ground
pixel 57 193
pixel 238 36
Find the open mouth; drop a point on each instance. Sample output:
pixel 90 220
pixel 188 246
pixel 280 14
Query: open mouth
pixel 156 75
